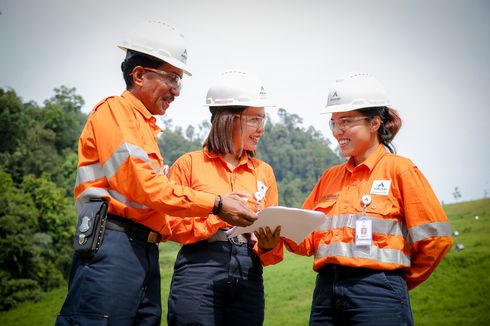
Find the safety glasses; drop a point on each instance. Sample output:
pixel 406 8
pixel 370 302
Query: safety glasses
pixel 345 123
pixel 254 121
pixel 171 79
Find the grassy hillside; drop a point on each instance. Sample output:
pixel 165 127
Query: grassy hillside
pixel 454 294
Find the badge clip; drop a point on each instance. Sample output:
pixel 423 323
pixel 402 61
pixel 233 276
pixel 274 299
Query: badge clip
pixel 364 226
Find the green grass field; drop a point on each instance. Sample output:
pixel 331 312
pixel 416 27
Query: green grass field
pixel 454 294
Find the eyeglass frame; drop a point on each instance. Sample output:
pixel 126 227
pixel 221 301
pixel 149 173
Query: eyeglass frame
pixel 346 123
pixel 258 125
pixel 171 79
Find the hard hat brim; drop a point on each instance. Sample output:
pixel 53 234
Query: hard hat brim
pixel 255 105
pixel 171 61
pixel 349 107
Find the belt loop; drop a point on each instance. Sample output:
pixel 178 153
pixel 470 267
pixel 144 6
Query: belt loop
pixel 154 237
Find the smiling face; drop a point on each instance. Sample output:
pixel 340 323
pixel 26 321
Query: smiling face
pixel 154 89
pixel 357 134
pixel 248 129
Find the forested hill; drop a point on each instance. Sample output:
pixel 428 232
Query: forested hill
pixel 38 159
pixel 298 155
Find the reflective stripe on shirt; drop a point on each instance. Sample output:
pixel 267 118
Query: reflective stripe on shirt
pixel 111 166
pixel 95 192
pixel 89 173
pixel 429 230
pixel 350 250
pixel 380 225
pixel 389 227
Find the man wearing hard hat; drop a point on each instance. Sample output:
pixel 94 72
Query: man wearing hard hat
pixel 120 166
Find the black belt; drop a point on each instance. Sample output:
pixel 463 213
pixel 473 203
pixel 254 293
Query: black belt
pixel 238 240
pixel 132 229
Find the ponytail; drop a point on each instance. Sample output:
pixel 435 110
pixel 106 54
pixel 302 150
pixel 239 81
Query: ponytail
pixel 390 124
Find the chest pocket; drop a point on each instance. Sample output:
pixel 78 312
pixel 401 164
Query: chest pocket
pixel 327 206
pixel 380 206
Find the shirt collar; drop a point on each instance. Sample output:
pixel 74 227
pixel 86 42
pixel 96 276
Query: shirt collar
pixel 370 162
pixel 244 159
pixel 140 107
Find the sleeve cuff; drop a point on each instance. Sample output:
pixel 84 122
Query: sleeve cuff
pixel 207 201
pixel 272 256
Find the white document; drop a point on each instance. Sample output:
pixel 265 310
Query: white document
pixel 295 223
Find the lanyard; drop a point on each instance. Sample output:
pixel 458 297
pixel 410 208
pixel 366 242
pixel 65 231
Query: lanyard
pixel 366 201
pixel 364 225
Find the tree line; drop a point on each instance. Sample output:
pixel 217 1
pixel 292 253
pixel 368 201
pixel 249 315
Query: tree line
pixel 38 160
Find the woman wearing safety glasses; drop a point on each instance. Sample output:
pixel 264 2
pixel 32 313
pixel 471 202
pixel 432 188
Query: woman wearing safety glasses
pixel 385 231
pixel 218 280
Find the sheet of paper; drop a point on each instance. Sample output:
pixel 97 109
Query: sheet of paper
pixel 295 223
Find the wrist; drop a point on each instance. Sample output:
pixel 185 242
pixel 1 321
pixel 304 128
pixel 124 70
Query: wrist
pixel 218 205
pixel 263 250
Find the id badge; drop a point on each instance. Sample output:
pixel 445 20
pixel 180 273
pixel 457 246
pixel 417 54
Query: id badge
pixel 364 231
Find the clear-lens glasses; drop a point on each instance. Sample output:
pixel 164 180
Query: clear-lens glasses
pixel 345 123
pixel 171 79
pixel 255 121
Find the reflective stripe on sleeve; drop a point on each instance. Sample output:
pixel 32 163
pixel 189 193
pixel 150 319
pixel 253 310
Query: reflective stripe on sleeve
pixel 88 194
pixel 111 166
pixel 380 225
pixel 102 192
pixel 425 231
pixel 88 173
pixel 350 250
pixel 118 196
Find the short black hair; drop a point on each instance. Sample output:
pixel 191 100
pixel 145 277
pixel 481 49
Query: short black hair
pixel 134 59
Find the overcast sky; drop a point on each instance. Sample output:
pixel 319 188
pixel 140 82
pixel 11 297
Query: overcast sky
pixel 433 56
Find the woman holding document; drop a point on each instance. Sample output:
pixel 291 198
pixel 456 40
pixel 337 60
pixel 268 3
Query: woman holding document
pixel 385 231
pixel 217 280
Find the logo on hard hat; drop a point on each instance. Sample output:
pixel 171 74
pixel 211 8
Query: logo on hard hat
pixel 334 97
pixel 262 91
pixel 184 56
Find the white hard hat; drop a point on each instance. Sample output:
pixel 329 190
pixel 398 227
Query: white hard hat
pixel 355 91
pixel 235 87
pixel 159 40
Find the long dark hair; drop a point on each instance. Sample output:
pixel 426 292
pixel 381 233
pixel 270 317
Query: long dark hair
pixel 390 124
pixel 220 137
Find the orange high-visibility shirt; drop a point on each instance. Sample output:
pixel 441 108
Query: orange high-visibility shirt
pixel 119 159
pixel 410 228
pixel 207 171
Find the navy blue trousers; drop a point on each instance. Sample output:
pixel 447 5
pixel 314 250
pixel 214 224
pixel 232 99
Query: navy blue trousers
pixel 360 296
pixel 120 285
pixel 216 284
